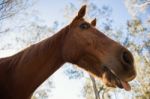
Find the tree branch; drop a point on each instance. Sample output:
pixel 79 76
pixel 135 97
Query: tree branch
pixel 94 87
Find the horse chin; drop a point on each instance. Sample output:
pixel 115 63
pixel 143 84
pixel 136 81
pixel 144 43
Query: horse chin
pixel 110 79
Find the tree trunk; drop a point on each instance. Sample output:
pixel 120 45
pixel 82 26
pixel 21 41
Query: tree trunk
pixel 94 87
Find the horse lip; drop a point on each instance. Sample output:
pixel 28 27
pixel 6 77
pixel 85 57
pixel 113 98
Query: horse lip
pixel 117 79
pixel 118 83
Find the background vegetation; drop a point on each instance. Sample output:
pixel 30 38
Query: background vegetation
pixel 20 26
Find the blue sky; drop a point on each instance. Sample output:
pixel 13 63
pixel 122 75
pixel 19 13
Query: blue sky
pixel 51 10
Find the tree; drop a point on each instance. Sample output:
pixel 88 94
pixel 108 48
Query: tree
pixel 96 92
pixel 137 7
pixel 9 8
pixel 135 37
pixel 142 52
pixel 138 29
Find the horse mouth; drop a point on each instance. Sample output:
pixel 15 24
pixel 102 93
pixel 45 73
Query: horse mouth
pixel 123 84
pixel 112 80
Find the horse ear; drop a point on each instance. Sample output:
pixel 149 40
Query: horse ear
pixel 93 22
pixel 81 12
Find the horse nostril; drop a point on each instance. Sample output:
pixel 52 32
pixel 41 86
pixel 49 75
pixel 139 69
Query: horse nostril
pixel 127 58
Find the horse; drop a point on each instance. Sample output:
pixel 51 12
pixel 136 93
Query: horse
pixel 79 43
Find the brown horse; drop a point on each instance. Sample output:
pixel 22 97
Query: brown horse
pixel 79 43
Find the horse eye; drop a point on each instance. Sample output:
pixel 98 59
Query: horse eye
pixel 84 26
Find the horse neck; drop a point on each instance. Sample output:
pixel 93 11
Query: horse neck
pixel 36 63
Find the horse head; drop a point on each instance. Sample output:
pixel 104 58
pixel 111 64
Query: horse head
pixel 93 51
